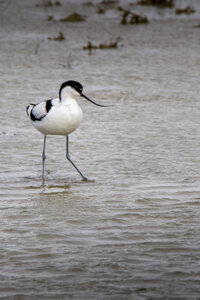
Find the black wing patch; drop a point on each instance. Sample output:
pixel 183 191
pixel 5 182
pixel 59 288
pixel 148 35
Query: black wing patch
pixel 34 118
pixel 40 110
pixel 27 110
pixel 48 105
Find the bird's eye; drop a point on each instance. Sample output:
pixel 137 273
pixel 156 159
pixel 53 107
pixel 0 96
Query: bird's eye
pixel 78 89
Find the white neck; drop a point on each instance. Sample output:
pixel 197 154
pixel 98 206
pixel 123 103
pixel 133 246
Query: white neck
pixel 67 94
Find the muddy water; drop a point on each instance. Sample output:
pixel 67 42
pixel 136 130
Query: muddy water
pixel 132 232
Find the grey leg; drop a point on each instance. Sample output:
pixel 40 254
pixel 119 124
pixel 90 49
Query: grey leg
pixel 68 157
pixel 43 157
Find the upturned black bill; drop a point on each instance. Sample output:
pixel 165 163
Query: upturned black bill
pixel 82 95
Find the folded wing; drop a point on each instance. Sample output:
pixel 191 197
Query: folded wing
pixel 37 112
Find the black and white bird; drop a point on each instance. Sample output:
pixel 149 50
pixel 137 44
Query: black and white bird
pixel 59 116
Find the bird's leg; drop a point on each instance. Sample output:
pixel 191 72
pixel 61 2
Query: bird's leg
pixel 68 157
pixel 43 157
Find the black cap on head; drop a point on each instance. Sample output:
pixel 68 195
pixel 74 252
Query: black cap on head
pixel 79 88
pixel 73 84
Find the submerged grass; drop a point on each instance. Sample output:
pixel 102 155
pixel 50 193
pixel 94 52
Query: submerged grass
pixel 111 45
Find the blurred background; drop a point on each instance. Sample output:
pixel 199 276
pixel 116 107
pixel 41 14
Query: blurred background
pixel 132 231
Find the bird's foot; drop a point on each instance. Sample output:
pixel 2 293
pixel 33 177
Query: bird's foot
pixel 85 178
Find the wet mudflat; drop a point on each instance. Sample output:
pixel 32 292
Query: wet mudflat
pixel 132 231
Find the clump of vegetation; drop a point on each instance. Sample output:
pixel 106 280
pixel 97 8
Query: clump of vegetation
pixel 129 17
pixel 160 3
pixel 100 10
pixel 196 26
pixel 89 3
pixel 101 46
pixel 109 4
pixel 49 3
pixel 105 5
pixel 137 19
pixel 50 18
pixel 60 37
pixel 57 3
pixel 188 10
pixel 74 17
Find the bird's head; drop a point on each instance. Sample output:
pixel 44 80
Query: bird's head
pixel 73 88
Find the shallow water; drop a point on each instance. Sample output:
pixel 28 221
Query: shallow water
pixel 132 231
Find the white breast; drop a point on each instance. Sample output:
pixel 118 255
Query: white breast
pixel 62 118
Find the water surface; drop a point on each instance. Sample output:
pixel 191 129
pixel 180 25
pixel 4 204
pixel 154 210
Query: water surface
pixel 132 231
